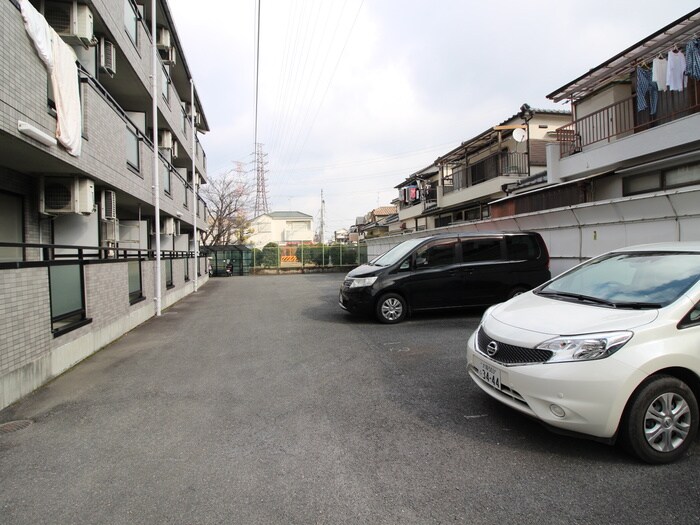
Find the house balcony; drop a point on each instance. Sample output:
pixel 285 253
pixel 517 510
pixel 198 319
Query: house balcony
pixel 618 135
pixel 426 199
pixel 483 179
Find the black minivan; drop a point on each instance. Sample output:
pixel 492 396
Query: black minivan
pixel 446 271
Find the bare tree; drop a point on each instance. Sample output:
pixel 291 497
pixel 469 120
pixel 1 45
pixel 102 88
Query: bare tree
pixel 228 197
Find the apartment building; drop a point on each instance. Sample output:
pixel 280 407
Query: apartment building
pixel 82 212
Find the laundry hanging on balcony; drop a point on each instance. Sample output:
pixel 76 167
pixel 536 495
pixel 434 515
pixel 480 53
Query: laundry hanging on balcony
pixel 692 59
pixel 646 89
pixel 675 75
pixel 659 68
pixel 59 60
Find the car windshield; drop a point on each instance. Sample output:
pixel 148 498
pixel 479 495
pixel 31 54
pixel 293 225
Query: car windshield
pixel 397 253
pixel 629 280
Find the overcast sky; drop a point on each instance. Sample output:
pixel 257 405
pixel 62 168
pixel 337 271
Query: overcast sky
pixel 356 95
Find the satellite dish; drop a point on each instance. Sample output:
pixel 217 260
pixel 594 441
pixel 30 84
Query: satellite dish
pixel 519 134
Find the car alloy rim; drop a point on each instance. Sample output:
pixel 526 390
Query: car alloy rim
pixel 667 422
pixel 391 309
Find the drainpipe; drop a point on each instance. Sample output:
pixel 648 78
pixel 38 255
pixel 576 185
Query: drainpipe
pixel 156 181
pixel 195 203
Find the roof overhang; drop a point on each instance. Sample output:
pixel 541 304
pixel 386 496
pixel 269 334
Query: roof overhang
pixel 618 67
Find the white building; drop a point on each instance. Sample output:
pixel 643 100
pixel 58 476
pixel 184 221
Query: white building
pixel 281 227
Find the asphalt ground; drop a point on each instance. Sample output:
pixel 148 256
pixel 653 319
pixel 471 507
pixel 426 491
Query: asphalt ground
pixel 258 401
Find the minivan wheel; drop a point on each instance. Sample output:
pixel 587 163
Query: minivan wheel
pixel 391 308
pixel 662 420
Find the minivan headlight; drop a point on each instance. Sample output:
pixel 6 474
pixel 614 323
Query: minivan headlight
pixel 585 347
pixel 360 282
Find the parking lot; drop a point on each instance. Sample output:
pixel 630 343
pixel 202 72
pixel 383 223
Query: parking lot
pixel 258 400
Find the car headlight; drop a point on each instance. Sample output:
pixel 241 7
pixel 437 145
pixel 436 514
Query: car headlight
pixel 585 347
pixel 360 282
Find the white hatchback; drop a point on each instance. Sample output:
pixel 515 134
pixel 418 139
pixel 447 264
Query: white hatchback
pixel 608 349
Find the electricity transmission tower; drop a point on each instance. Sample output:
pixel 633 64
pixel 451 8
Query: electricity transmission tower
pixel 259 163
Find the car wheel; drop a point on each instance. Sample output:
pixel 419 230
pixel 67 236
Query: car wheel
pixel 661 421
pixel 391 308
pixel 516 291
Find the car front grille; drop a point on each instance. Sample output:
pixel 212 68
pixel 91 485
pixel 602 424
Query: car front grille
pixel 509 354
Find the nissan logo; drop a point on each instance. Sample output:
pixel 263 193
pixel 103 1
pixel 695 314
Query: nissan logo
pixel 492 348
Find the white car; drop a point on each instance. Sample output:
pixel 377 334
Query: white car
pixel 609 349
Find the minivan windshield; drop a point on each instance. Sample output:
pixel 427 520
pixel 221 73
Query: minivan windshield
pixel 628 280
pixel 397 253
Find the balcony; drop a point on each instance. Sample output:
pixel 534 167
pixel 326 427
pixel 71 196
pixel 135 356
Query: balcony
pixel 622 119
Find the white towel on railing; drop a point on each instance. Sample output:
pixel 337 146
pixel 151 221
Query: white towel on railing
pixel 59 59
pixel 66 92
pixel 39 31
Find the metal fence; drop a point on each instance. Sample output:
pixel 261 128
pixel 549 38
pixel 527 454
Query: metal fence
pixel 308 257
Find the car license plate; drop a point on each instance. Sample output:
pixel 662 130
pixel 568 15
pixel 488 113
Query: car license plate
pixel 489 374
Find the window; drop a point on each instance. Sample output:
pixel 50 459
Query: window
pixel 661 180
pixel 187 269
pixel 443 221
pixel 477 250
pixel 521 247
pixel 641 183
pixel 11 226
pixel 165 86
pixel 437 253
pixel 135 292
pixel 683 176
pixel 131 19
pixel 165 176
pixel 67 297
pixel 133 157
pixel 186 194
pixel 168 265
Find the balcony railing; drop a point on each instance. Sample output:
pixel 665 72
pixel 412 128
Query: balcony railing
pixel 496 165
pixel 426 198
pixel 622 119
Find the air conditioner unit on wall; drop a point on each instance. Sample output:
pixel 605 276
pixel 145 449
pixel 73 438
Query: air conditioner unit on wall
pixel 163 38
pixel 165 139
pixel 168 227
pixel 108 57
pixel 72 21
pixel 110 231
pixel 108 205
pixel 167 55
pixel 59 195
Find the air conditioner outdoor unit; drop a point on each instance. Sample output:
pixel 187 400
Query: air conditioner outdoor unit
pixel 108 57
pixel 108 205
pixel 110 231
pixel 167 55
pixel 61 195
pixel 72 21
pixel 165 139
pixel 168 226
pixel 163 38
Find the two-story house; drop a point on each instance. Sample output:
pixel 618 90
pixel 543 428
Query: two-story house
pixel 459 185
pixel 84 129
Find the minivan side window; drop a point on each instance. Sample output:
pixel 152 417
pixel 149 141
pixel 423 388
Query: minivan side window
pixel 440 252
pixel 522 247
pixel 477 250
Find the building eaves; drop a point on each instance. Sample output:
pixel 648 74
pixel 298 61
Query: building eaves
pixel 486 137
pixel 619 66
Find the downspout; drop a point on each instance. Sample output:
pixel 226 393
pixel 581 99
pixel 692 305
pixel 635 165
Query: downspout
pixel 195 202
pixel 156 181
